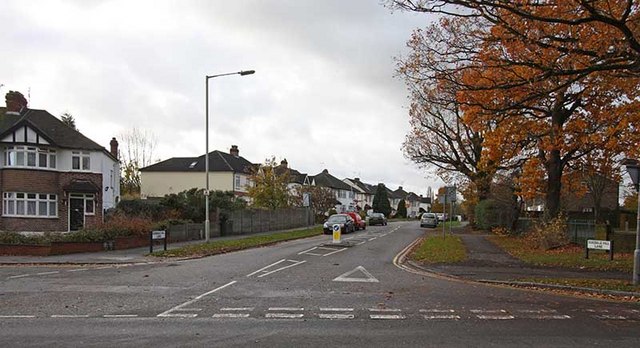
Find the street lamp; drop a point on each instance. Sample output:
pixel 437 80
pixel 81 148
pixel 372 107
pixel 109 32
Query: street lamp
pixel 207 226
pixel 634 172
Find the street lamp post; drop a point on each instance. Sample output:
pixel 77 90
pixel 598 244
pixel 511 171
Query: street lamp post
pixel 634 172
pixel 207 226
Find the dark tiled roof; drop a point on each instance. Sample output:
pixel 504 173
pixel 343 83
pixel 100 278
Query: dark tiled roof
pixel 295 177
pixel 218 162
pixel 413 197
pixel 368 189
pixel 327 180
pixel 49 127
pixel 399 193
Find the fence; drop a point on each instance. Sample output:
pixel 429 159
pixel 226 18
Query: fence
pixel 581 230
pixel 245 222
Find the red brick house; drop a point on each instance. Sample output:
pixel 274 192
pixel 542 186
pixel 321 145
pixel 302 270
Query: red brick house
pixel 52 178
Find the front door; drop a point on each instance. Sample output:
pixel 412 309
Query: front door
pixel 76 214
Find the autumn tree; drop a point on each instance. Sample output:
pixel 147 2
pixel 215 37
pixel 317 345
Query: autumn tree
pixel 269 188
pixel 68 120
pixel 544 79
pixel 381 201
pixel 137 151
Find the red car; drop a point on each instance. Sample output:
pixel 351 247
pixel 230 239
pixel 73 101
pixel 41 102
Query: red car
pixel 360 224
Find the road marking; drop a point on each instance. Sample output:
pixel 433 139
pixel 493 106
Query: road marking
pixel 336 309
pixel 367 279
pixel 103 267
pixel 492 314
pixel 230 315
pixel 78 270
pixel 610 317
pixel 46 273
pixel 19 276
pixel 374 238
pixel 437 311
pixel 334 252
pixel 284 315
pixel 294 263
pixel 70 316
pixel 16 316
pixel 285 309
pixel 384 310
pixel 181 306
pixel 548 317
pixel 120 315
pixel 387 316
pixel 442 317
pixel 335 316
pixel 238 309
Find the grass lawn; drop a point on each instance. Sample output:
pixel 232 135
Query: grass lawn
pixel 222 246
pixel 436 249
pixel 571 256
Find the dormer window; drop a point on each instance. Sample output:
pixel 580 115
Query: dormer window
pixel 80 160
pixel 193 164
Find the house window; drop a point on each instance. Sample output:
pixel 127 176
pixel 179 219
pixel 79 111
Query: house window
pixel 29 204
pixel 80 160
pixel 89 202
pixel 27 156
pixel 237 182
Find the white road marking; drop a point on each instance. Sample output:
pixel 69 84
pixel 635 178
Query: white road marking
pixel 442 317
pixel 495 317
pixel 492 314
pixel 374 238
pixel 237 309
pixel 16 316
pixel 361 243
pixel 284 315
pixel 78 270
pixel 334 252
pixel 46 273
pixel 368 277
pixel 548 317
pixel 285 309
pixel 335 316
pixel 70 316
pixel 384 310
pixel 103 267
pixel 19 276
pixel 336 309
pixel 387 316
pixel 120 315
pixel 610 317
pixel 231 315
pixel 437 311
pixel 294 263
pixel 191 315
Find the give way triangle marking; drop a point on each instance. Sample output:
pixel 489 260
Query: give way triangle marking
pixel 368 278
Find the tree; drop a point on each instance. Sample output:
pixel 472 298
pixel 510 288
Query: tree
pixel 322 199
pixel 381 201
pixel 137 152
pixel 68 119
pixel 269 187
pixel 402 209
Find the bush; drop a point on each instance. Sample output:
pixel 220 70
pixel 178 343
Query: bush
pixel 485 214
pixel 332 211
pixel 165 224
pixel 142 207
pixel 549 235
pixel 17 238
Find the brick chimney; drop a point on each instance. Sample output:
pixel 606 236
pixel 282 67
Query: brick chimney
pixel 16 102
pixel 114 147
pixel 234 150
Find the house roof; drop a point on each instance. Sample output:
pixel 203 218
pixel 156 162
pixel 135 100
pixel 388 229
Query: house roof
pixel 413 197
pixel 49 127
pixel 327 180
pixel 218 162
pixel 295 177
pixel 399 193
pixel 368 189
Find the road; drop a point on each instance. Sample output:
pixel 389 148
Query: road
pixel 293 294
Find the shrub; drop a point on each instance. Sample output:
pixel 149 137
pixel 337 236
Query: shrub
pixel 165 224
pixel 549 235
pixel 17 238
pixel 142 207
pixel 485 214
pixel 332 211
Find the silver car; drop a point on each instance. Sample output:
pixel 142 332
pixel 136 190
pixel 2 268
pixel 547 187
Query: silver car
pixel 429 220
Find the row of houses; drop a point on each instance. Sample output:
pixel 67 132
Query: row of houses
pixel 231 172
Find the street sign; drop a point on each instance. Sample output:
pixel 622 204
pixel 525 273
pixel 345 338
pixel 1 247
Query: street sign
pixel 606 245
pixel 158 234
pixel 336 233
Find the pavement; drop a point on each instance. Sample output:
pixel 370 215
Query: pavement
pixel 486 263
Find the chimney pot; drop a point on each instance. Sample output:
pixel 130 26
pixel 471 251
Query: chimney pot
pixel 234 150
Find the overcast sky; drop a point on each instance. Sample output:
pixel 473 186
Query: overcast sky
pixel 324 93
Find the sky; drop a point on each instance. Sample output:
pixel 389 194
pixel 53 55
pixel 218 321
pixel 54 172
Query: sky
pixel 324 95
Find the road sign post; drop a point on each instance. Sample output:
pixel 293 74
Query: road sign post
pixel 157 235
pixel 336 233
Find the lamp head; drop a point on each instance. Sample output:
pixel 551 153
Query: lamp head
pixel 247 72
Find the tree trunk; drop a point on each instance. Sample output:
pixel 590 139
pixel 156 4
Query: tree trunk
pixel 554 185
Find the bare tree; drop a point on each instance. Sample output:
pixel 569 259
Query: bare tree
pixel 137 152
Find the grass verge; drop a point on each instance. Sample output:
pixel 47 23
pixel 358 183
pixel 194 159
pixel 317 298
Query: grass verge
pixel 603 284
pixel 436 249
pixel 224 246
pixel 571 256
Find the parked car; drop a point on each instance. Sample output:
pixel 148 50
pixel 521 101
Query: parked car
pixel 441 217
pixel 360 224
pixel 347 225
pixel 377 219
pixel 429 220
